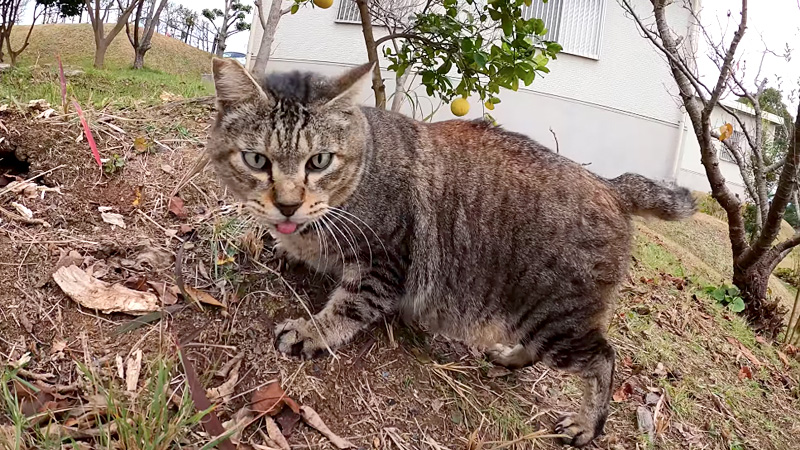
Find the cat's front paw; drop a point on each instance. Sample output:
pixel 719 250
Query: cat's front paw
pixel 300 338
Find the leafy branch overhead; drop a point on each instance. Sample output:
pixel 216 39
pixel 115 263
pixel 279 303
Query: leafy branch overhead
pixel 490 45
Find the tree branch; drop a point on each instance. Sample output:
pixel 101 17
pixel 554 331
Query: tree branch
pixel 786 185
pixel 727 63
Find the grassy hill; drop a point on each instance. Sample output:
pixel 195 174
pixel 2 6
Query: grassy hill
pixel 75 43
pixel 170 66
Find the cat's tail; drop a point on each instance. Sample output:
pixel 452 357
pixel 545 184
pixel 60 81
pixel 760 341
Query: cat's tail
pixel 645 197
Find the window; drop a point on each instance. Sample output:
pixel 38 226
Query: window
pixel 348 12
pixel 738 141
pixel 575 24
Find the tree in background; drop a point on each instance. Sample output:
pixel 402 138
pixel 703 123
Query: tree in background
pixel 188 20
pixel 269 24
pixel 233 21
pixel 753 259
pixel 97 18
pixel 140 39
pixel 489 44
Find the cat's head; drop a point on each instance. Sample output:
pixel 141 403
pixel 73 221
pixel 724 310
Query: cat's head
pixel 292 148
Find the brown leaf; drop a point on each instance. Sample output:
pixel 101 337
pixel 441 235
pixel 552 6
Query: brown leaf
pixel 745 351
pixel 270 400
pixel 622 394
pixel 745 372
pixel 176 207
pixel 287 419
pixel 203 297
pixel 185 229
pixel 167 295
pixel 275 434
pixel 137 200
pixel 783 358
pixel 95 294
pixel 210 421
pixel 72 258
pixel 140 144
pixel 225 390
pixel 312 419
pixel 136 282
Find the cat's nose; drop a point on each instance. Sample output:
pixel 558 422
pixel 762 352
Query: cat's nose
pixel 287 209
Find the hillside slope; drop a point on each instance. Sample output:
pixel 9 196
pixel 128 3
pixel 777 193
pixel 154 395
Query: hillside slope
pixel 75 43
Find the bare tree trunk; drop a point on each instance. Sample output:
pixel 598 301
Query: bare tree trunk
pixel 147 35
pixel 100 53
pixel 102 41
pixel 399 91
pixel 269 25
pixel 372 52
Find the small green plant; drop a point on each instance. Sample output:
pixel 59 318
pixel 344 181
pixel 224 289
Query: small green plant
pixel 113 164
pixel 727 296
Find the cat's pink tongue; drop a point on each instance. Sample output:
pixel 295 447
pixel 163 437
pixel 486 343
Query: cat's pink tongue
pixel 287 227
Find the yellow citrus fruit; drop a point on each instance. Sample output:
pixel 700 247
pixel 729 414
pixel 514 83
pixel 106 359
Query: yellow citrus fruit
pixel 489 106
pixel 459 107
pixel 324 4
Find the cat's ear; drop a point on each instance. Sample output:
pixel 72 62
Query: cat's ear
pixel 234 84
pixel 349 85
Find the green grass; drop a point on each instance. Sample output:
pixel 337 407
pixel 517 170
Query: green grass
pixel 147 420
pixel 75 44
pixel 97 88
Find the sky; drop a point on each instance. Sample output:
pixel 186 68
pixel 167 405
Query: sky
pixel 771 23
pixel 775 23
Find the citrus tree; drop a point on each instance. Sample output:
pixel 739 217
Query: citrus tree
pixel 458 48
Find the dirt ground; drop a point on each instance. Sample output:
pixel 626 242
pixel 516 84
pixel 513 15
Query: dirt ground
pixel 394 387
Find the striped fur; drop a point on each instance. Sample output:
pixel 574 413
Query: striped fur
pixel 462 227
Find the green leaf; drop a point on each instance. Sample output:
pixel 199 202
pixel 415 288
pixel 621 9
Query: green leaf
pixel 295 8
pixel 718 294
pixel 508 26
pixel 737 305
pixel 480 59
pixel 466 45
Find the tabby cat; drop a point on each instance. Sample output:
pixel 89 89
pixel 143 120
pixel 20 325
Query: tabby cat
pixel 469 230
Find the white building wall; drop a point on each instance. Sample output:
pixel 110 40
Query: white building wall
pixel 618 112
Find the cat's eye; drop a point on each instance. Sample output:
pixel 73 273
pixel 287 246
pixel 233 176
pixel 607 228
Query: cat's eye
pixel 255 160
pixel 319 162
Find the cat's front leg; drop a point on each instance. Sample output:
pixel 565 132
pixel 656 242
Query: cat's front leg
pixel 355 304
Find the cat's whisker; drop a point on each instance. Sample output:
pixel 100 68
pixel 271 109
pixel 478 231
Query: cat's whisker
pixel 349 242
pixel 341 216
pixel 348 213
pixel 336 240
pixel 319 243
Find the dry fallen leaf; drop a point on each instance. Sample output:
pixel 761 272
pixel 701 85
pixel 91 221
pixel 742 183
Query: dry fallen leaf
pixel 203 297
pixel 168 294
pixel 783 358
pixel 114 219
pixel 270 400
pixel 622 394
pixel 22 210
pixel 745 351
pixel 137 200
pixel 133 370
pixel 96 294
pixel 73 258
pixel 225 390
pixel 312 419
pixel 745 372
pixel 176 207
pixel 140 144
pixel 275 434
